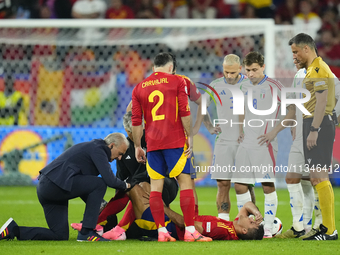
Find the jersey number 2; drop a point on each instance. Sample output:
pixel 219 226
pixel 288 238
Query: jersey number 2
pixel 155 108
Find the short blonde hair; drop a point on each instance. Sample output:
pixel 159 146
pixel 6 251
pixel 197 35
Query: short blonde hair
pixel 117 139
pixel 231 59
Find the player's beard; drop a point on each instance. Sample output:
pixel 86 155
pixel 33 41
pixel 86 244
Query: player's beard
pixel 231 80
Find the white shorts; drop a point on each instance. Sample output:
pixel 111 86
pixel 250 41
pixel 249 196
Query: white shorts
pixel 254 165
pixel 223 161
pixel 296 160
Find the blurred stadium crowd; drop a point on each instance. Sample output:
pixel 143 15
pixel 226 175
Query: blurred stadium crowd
pixel 320 14
pixel 284 11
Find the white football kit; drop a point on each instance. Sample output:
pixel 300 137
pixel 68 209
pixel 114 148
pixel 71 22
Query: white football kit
pixel 226 143
pixel 255 163
pixel 296 160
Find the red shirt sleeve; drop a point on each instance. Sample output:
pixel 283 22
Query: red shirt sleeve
pixel 183 104
pixel 137 112
pixel 194 92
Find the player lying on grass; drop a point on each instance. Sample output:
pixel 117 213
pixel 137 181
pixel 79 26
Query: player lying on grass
pixel 128 220
pixel 214 228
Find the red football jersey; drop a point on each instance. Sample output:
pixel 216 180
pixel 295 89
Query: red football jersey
pixel 217 229
pixel 162 100
pixel 193 92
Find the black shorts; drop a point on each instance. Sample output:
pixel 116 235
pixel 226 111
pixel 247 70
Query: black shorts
pixel 170 190
pixel 321 155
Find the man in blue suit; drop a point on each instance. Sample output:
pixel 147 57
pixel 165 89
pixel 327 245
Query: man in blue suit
pixel 74 174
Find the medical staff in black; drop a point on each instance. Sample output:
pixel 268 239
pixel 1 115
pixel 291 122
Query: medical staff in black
pixel 74 174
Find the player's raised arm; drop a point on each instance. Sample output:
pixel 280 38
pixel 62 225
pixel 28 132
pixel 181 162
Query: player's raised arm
pixel 250 208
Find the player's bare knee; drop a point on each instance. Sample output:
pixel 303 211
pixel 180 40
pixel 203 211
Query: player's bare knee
pixel 241 188
pixel 184 181
pixel 292 180
pixel 316 181
pixel 268 187
pixel 157 185
pixel 223 184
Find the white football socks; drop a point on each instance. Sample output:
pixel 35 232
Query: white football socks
pixel 308 204
pixel 296 205
pixel 242 199
pixel 270 208
pixel 317 211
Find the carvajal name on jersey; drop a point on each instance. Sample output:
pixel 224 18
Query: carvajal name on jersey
pixel 154 82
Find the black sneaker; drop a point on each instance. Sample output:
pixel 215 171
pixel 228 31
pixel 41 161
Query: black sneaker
pixel 92 236
pixel 322 236
pixel 8 230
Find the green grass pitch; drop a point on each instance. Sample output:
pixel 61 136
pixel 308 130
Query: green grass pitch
pixel 22 205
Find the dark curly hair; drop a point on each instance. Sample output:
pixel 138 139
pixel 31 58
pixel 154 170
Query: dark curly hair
pixel 253 234
pixel 252 58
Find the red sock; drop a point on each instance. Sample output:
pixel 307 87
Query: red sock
pixel 157 209
pixel 128 218
pixel 116 205
pixel 196 210
pixel 187 202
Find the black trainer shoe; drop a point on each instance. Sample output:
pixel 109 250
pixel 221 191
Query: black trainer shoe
pixel 8 230
pixel 92 236
pixel 322 236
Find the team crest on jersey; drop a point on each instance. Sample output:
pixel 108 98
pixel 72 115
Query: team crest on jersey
pixel 317 69
pixel 262 94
